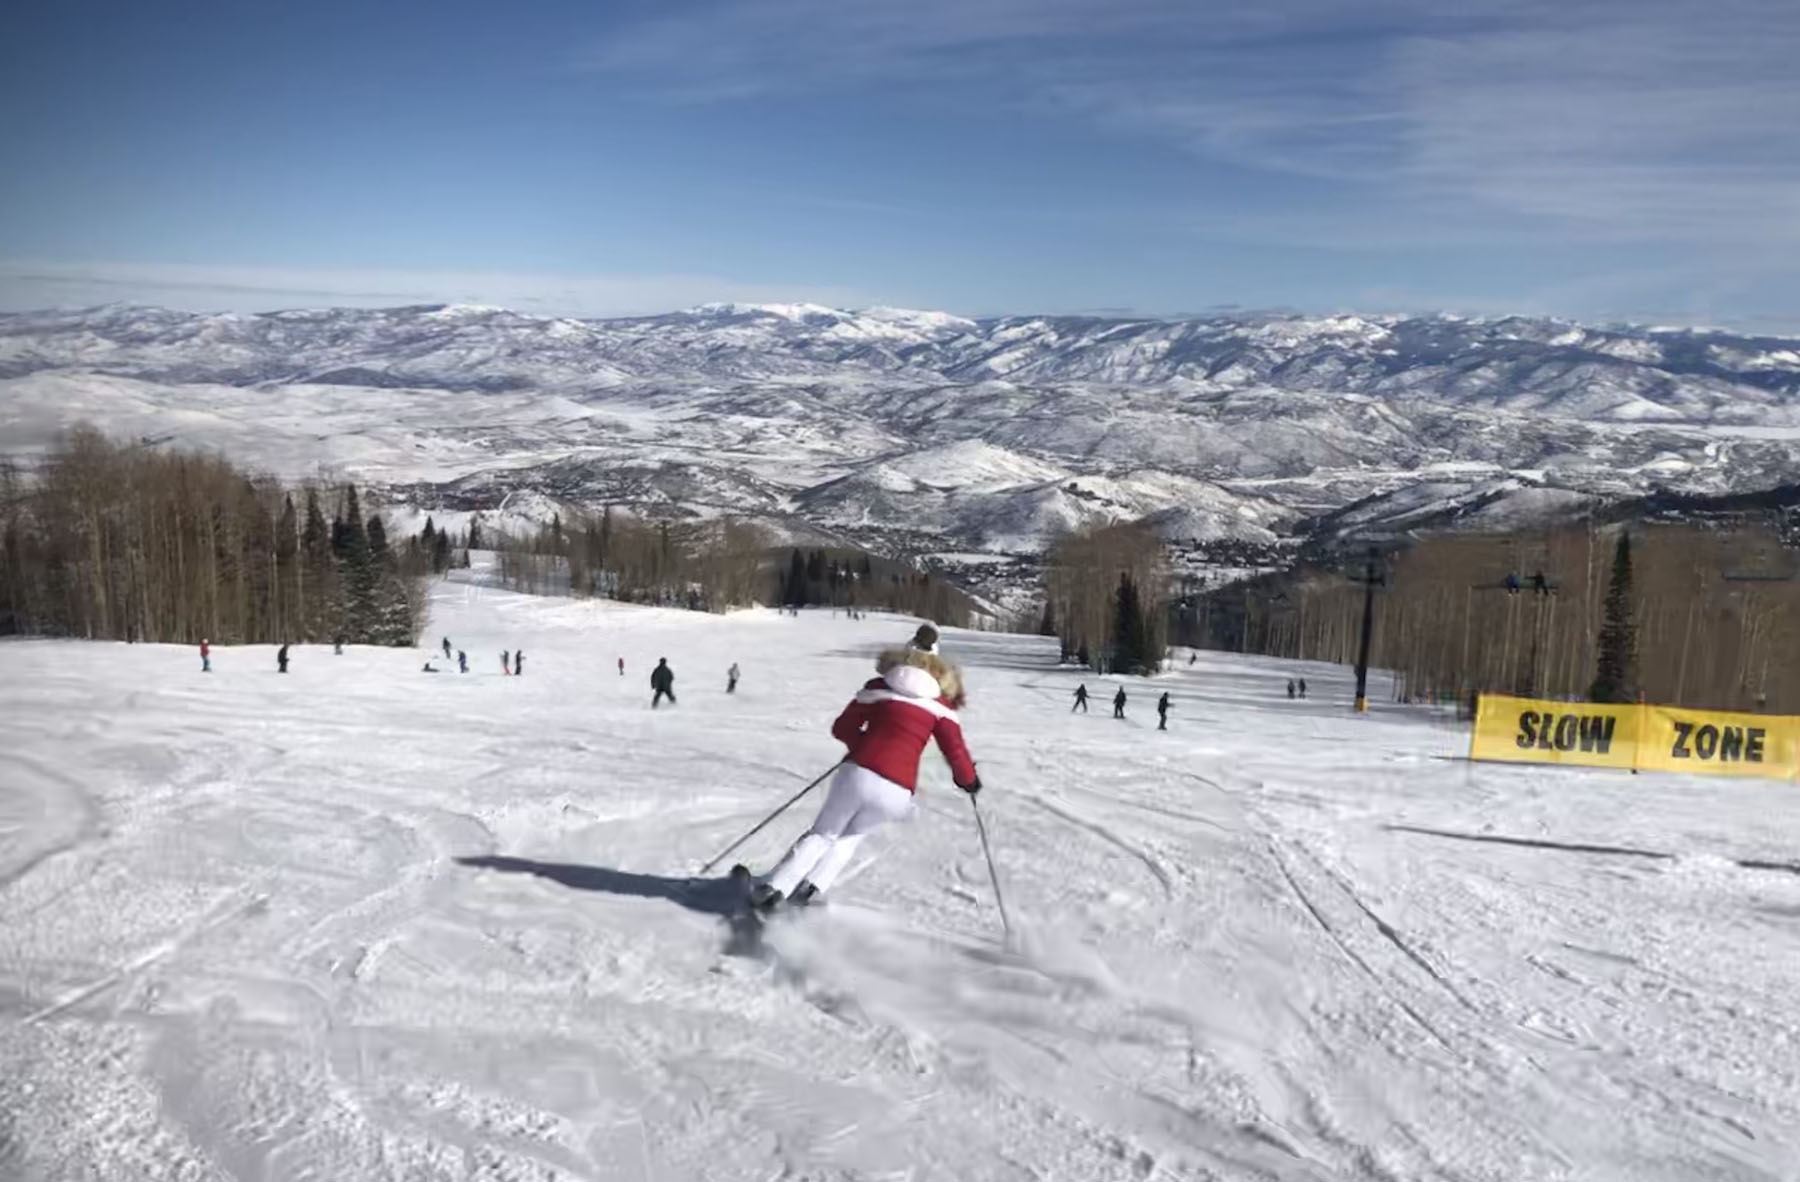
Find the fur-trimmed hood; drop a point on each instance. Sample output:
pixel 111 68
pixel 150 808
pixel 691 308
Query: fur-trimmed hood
pixel 947 676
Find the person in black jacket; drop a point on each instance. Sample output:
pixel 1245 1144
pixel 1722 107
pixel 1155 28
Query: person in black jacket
pixel 1081 697
pixel 1119 703
pixel 281 659
pixel 662 680
pixel 1162 713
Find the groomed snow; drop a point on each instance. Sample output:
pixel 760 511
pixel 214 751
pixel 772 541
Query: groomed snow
pixel 238 942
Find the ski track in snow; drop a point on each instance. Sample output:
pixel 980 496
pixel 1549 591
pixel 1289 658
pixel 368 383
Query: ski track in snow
pixel 358 922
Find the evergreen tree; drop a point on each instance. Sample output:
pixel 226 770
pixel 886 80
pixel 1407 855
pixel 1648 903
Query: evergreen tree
pixel 357 571
pixel 377 534
pixel 440 553
pixel 475 532
pixel 1131 632
pixel 1615 678
pixel 428 536
pixel 319 577
pixel 794 594
pixel 290 594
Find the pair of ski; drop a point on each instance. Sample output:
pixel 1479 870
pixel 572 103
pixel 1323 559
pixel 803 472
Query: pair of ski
pixel 745 881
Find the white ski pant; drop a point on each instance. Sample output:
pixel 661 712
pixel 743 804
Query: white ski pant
pixel 858 803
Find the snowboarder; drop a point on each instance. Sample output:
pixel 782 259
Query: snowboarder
pixel 1162 713
pixel 205 655
pixel 1119 703
pixel 446 648
pixel 1290 689
pixel 281 659
pixel 519 663
pixel 662 680
pixel 1303 687
pixel 429 668
pixel 462 661
pixel 1081 697
pixel 885 727
pixel 731 678
pixel 505 662
pixel 925 639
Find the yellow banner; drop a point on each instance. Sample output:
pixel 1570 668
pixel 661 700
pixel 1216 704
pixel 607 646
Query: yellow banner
pixel 1646 738
pixel 1526 730
pixel 1716 743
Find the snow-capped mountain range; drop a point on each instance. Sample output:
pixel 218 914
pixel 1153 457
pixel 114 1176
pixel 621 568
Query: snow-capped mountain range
pixel 926 432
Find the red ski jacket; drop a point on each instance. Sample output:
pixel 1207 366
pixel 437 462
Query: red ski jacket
pixel 886 728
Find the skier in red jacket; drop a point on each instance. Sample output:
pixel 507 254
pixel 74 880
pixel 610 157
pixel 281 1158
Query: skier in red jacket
pixel 886 727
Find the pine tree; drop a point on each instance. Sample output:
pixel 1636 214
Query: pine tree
pixel 794 594
pixel 322 618
pixel 1128 627
pixel 475 532
pixel 1615 678
pixel 290 596
pixel 377 534
pixel 357 570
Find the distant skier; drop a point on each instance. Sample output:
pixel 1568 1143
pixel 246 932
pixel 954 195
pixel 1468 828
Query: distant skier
pixel 462 661
pixel 662 680
pixel 519 663
pixel 1290 689
pixel 1081 697
pixel 925 639
pixel 1302 687
pixel 621 666
pixel 429 668
pixel 731 678
pixel 1162 713
pixel 337 646
pixel 505 662
pixel 1539 584
pixel 281 659
pixel 205 655
pixel 446 648
pixel 1192 657
pixel 1119 703
pixel 1512 584
pixel 885 727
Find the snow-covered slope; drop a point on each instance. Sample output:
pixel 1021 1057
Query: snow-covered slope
pixel 361 922
pixel 920 427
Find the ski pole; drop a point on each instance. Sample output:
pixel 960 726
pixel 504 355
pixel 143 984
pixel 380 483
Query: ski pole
pixel 790 803
pixel 993 874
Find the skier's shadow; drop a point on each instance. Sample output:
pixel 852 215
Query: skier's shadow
pixel 719 897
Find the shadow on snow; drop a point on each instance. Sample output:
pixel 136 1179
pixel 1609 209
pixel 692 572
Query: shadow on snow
pixel 719 897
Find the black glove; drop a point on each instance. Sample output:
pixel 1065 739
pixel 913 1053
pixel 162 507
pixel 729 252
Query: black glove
pixel 972 787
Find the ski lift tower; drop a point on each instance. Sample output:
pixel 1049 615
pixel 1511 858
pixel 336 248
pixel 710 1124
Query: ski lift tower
pixel 1373 576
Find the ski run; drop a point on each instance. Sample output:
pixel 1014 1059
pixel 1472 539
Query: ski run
pixel 357 921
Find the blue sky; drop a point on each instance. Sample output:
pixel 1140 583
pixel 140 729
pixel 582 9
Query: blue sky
pixel 1600 159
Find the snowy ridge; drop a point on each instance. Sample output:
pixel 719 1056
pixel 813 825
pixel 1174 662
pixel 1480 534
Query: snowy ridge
pixel 927 430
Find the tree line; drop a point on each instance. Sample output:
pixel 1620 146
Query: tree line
pixel 1683 614
pixel 1106 598
pixel 127 542
pixel 709 565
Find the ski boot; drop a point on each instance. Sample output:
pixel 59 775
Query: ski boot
pixel 764 897
pixel 803 894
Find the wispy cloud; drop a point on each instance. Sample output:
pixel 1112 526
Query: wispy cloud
pixel 26 285
pixel 1657 121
